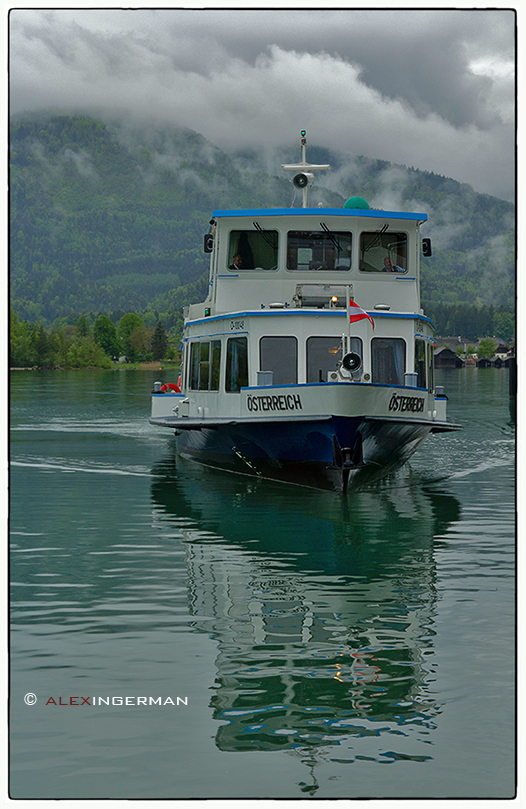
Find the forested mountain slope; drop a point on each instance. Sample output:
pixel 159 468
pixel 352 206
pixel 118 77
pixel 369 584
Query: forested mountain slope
pixel 107 218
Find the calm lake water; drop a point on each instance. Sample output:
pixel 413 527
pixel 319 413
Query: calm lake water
pixel 271 641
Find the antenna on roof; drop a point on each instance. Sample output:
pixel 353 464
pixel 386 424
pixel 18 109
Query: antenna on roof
pixel 305 177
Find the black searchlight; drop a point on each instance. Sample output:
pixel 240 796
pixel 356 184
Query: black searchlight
pixel 302 180
pixel 352 362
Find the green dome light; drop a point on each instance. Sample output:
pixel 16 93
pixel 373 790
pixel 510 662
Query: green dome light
pixel 357 202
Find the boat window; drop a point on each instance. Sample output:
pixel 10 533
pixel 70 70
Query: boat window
pixel 205 359
pixel 383 251
pixel 216 364
pixel 236 364
pixel 388 360
pixel 430 367
pixel 253 250
pixel 324 354
pixel 420 363
pixel 204 366
pixel 194 366
pixel 279 355
pixel 319 250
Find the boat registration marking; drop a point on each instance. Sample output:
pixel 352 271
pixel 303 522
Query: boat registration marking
pixel 237 325
pixel 290 401
pixel 402 403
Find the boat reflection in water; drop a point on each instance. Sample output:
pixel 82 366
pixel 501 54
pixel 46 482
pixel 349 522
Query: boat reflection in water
pixel 322 607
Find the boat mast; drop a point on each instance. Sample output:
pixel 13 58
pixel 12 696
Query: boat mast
pixel 305 177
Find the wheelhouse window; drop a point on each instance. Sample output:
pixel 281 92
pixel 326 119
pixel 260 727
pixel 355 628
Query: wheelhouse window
pixel 253 249
pixel 205 362
pixel 383 251
pixel 324 354
pixel 236 364
pixel 319 250
pixel 279 355
pixel 388 360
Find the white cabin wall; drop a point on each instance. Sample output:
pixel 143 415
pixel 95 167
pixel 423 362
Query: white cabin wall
pixel 303 324
pixel 250 289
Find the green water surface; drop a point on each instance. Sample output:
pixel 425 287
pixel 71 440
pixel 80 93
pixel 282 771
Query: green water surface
pixel 320 646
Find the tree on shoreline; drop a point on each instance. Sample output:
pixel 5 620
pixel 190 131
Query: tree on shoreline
pixel 486 348
pixel 159 342
pixel 127 325
pixel 86 346
pixel 105 334
pixel 31 346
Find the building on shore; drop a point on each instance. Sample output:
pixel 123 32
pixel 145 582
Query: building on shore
pixel 446 358
pixel 446 355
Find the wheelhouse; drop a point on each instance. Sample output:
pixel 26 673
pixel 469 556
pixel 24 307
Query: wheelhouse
pixel 308 259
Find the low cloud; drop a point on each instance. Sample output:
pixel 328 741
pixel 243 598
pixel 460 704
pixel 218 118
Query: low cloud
pixel 82 162
pixel 434 90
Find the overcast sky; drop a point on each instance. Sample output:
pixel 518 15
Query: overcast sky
pixel 433 89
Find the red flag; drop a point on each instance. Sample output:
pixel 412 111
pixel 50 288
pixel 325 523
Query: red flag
pixel 357 313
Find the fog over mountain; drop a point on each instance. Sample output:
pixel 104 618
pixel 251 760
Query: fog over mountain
pixel 108 217
pixel 434 89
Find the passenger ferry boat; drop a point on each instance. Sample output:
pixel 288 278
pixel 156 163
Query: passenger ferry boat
pixel 310 361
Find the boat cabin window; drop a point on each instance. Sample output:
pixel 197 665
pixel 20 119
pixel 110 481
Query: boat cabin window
pixel 383 251
pixel 236 364
pixel 319 250
pixel 279 355
pixel 324 354
pixel 424 364
pixel 420 363
pixel 430 367
pixel 205 361
pixel 253 250
pixel 388 360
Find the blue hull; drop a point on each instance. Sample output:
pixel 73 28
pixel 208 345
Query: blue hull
pixel 332 454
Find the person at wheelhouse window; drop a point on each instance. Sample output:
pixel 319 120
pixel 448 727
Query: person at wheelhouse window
pixel 236 263
pixel 383 251
pixel 253 250
pixel 390 267
pixel 244 256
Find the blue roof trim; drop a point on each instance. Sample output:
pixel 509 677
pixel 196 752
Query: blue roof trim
pixel 350 212
pixel 215 334
pixel 326 384
pixel 305 312
pixel 306 385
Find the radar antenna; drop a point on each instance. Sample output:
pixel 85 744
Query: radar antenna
pixel 305 177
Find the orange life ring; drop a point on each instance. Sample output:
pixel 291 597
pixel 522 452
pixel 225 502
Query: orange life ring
pixel 170 386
